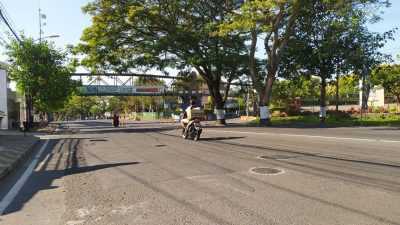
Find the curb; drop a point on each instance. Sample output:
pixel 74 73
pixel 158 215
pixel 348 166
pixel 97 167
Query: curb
pixel 18 160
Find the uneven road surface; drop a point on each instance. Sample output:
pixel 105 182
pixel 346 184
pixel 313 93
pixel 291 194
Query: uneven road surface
pixel 145 173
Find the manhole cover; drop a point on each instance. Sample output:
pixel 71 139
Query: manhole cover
pixel 266 171
pixel 277 157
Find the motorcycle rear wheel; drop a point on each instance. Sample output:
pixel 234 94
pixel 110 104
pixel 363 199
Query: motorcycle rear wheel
pixel 196 136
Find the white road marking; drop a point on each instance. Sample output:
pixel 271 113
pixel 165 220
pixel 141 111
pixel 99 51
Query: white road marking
pixel 9 198
pixel 303 135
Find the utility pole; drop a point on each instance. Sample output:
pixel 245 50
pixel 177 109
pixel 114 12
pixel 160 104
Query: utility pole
pixel 41 16
pixel 40 25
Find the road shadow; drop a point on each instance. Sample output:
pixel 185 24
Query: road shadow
pixel 386 128
pixel 63 157
pixel 219 138
pixel 126 130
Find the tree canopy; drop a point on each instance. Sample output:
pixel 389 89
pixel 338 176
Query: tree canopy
pixel 42 73
pixel 274 21
pixel 161 34
pixel 388 76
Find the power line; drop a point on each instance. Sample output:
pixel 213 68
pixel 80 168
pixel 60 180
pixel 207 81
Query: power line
pixel 8 16
pixel 9 27
pixel 8 21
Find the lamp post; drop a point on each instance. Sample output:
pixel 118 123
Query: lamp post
pixel 41 16
pixel 47 37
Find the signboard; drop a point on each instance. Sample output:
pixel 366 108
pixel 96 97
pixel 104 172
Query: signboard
pixel 376 97
pixel 167 105
pixel 121 90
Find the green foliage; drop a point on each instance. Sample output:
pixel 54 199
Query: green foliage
pixel 299 87
pixel 388 76
pixel 393 109
pixel 348 87
pixel 41 73
pixel 161 34
pixel 78 106
pixel 331 40
pixel 241 103
pixel 320 22
pixel 335 120
pixel 116 104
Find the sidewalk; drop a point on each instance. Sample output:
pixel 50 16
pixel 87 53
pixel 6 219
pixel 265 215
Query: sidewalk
pixel 13 148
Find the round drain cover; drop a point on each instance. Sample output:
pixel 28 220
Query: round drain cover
pixel 266 171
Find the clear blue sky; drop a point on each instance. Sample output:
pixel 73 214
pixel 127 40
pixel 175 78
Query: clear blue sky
pixel 65 18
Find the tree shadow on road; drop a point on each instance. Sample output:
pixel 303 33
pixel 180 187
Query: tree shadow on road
pixel 219 138
pixel 386 128
pixel 64 158
pixel 121 130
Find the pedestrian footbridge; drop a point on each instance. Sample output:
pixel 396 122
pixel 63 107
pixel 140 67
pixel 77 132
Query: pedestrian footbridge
pixel 111 84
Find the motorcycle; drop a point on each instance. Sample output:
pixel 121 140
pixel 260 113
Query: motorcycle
pixel 192 130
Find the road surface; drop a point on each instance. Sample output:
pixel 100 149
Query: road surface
pixel 145 173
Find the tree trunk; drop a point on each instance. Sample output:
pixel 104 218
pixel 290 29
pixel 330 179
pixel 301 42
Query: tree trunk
pixel 247 103
pixel 322 111
pixel 219 108
pixel 337 91
pixel 365 87
pixel 265 98
pixel 213 86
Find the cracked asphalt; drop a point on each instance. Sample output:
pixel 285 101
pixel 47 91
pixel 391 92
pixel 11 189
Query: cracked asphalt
pixel 145 173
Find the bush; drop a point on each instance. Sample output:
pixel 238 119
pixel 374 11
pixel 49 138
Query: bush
pixel 339 114
pixel 353 111
pixel 292 111
pixel 306 113
pixel 393 109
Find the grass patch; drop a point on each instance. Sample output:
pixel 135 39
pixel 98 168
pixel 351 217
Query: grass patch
pixel 332 120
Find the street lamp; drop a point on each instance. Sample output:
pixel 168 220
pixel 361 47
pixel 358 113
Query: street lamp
pixel 51 36
pixel 47 37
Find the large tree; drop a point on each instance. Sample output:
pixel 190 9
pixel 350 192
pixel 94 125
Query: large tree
pixel 161 34
pixel 388 76
pixel 328 43
pixel 274 21
pixel 42 74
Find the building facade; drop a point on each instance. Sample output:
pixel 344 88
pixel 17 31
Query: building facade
pixel 9 104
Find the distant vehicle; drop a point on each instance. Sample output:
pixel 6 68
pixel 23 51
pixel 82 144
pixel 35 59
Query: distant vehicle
pixel 192 126
pixel 115 121
pixel 193 130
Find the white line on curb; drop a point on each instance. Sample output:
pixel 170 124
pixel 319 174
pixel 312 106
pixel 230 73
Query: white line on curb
pixel 17 186
pixel 302 135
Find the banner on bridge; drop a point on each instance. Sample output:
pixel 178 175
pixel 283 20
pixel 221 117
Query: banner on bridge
pixel 121 90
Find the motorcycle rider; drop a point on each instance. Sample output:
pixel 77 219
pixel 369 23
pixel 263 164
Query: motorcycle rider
pixel 185 121
pixel 115 120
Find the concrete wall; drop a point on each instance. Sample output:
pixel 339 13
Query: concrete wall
pixel 3 98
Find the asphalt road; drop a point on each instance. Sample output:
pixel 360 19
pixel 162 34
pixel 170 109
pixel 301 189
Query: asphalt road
pixel 145 173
